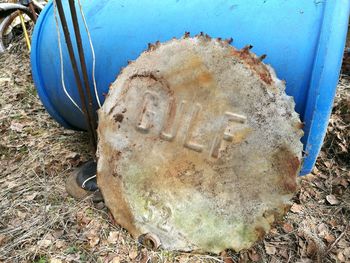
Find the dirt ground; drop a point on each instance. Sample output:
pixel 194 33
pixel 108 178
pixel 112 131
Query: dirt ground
pixel 40 223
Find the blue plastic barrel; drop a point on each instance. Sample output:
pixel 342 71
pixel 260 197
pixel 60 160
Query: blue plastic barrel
pixel 303 40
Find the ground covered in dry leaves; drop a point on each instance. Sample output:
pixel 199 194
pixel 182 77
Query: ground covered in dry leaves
pixel 39 222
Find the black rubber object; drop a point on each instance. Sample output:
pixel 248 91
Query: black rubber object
pixel 85 171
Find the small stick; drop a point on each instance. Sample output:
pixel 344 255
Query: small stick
pixel 338 239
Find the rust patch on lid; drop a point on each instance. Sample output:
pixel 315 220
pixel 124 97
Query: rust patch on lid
pixel 289 165
pixel 110 187
pixel 254 63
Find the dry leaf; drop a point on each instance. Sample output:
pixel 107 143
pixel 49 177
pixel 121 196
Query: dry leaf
pixel 100 205
pixel 73 156
pixel 113 237
pixel 332 200
pixel 73 258
pixel 2 239
pixel 319 184
pixel 284 253
pixel 333 222
pixel 343 147
pixel 30 197
pixel 346 252
pixel 274 232
pixel 305 260
pixel 274 260
pixel 315 171
pixel 296 208
pixel 243 257
pixel 322 229
pixel 327 164
pixel 226 257
pixel 311 248
pixel 341 257
pixel 145 257
pixel 184 259
pixel 93 241
pixel 270 249
pixel 228 260
pixel 133 254
pixel 21 215
pixel 57 234
pixel 344 182
pixel 4 80
pixel 45 243
pixel 55 260
pixel 329 238
pixel 60 244
pixel 115 260
pixel 343 243
pixel 82 218
pixel 255 257
pixel 16 126
pixel 287 228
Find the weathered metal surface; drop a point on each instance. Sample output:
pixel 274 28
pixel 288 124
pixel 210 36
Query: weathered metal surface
pixel 199 146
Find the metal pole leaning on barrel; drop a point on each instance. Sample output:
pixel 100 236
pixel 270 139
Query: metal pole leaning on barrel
pixel 82 62
pixel 87 111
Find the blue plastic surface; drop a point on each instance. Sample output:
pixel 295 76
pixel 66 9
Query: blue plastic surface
pixel 303 40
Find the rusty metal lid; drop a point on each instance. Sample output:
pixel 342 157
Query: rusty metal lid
pixel 199 146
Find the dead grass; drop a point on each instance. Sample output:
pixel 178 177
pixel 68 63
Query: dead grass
pixel 40 223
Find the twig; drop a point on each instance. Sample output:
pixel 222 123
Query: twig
pixel 338 239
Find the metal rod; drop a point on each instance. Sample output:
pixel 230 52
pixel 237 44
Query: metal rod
pixel 32 10
pixel 82 61
pixel 76 73
pixel 24 28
